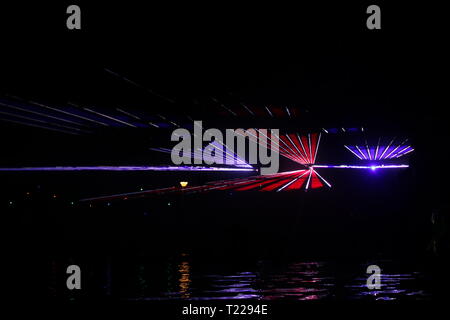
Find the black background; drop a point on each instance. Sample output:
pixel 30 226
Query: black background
pixel 318 57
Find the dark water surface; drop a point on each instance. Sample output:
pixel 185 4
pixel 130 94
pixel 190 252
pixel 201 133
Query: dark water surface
pixel 182 277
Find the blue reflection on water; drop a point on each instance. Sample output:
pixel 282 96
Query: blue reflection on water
pixel 290 281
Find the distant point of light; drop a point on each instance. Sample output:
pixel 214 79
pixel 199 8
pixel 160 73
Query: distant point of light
pixel 325 130
pixel 183 184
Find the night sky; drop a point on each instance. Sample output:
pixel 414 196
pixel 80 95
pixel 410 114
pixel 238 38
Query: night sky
pixel 178 63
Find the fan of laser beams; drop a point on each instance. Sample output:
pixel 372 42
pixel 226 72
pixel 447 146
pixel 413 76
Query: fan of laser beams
pixel 285 181
pixel 298 148
pixel 392 150
pixel 301 148
pixel 209 155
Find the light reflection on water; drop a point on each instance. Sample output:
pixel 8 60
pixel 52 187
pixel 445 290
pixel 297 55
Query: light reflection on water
pixel 393 286
pixel 292 281
pixel 184 270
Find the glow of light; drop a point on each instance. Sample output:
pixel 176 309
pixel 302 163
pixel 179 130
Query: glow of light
pixel 183 184
pixel 326 131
